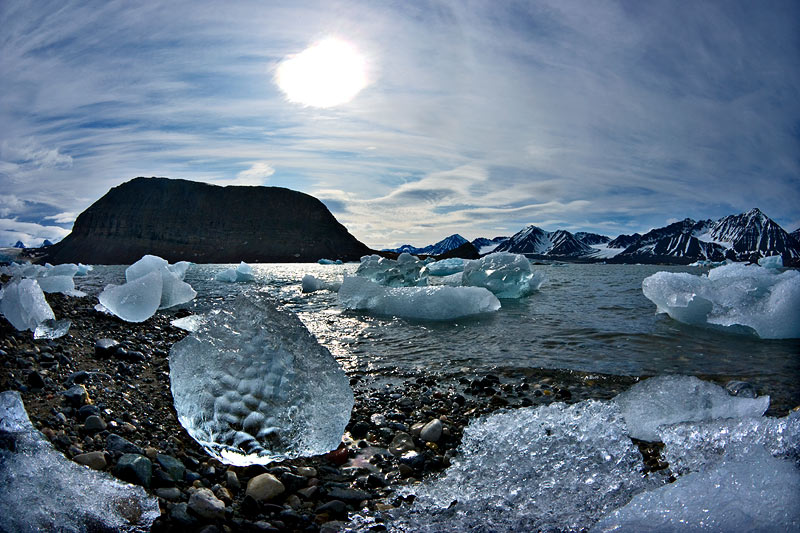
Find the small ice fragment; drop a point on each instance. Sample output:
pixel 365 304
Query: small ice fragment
pixel 83 270
pixel 664 400
pixel 312 284
pixel 189 323
pixel 41 490
pixel 764 300
pixel 772 261
pixel 136 300
pixel 507 275
pixel 422 303
pixel 52 329
pixel 551 468
pixel 754 493
pixel 253 386
pixel 24 304
pixel 240 274
pixel 329 262
pixel 174 291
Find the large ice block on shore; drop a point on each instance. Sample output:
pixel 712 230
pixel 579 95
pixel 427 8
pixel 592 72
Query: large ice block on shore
pixel 551 468
pixel 754 493
pixel 507 275
pixel 174 291
pixel 242 273
pixel 406 271
pixel 762 299
pixel 253 386
pixel 446 267
pixel 24 304
pixel 134 301
pixel 690 447
pixel 664 400
pixel 41 490
pixel 422 303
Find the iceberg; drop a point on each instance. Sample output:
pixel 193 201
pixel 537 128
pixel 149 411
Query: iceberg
pixel 665 400
pixel 689 447
pixel 240 274
pixel 135 301
pixel 755 493
pixel 551 468
pixel 406 271
pixel 253 386
pixel 41 490
pixel 24 304
pixel 507 275
pixel 772 261
pixel 446 267
pixel 312 284
pixel 422 303
pixel 330 262
pixel 761 299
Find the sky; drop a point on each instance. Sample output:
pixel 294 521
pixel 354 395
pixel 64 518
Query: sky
pixel 475 117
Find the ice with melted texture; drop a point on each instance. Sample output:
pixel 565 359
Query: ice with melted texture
pixel 446 267
pixel 52 329
pixel 41 490
pixel 134 301
pixel 406 271
pixel 174 291
pixel 551 468
pixel 253 386
pixel 664 400
pixel 764 300
pixel 24 304
pixel 421 303
pixel 689 447
pixel 754 493
pixel 507 275
pixel 240 274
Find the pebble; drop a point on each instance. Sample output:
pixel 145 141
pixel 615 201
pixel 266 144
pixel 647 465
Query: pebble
pixel 115 443
pixel 134 468
pixel 401 443
pixel 169 493
pixel 105 347
pixel 94 460
pixel 205 504
pixel 264 487
pixel 232 481
pixel 172 466
pixel 76 395
pixel 432 431
pixel 94 424
pixel 180 515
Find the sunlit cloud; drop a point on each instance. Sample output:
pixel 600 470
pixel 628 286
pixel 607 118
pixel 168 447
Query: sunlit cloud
pixel 257 174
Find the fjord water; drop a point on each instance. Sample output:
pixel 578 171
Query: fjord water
pixel 586 317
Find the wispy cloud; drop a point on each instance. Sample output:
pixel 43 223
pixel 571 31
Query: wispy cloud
pixel 478 116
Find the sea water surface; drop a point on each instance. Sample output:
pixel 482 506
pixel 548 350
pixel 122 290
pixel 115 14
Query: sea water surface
pixel 586 317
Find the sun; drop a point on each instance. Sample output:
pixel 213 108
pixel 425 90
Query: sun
pixel 326 74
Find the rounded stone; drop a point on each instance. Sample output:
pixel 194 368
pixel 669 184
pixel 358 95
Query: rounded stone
pixel 94 423
pixel 432 431
pixel 204 504
pixel 94 460
pixel 401 443
pixel 264 487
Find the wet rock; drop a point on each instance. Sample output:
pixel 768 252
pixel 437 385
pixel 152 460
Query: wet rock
pixel 335 508
pixel 115 443
pixel 307 471
pixel 86 411
pixel 94 423
pixel 432 431
pixel 134 468
pixel 94 460
pixel 349 495
pixel 359 429
pixel 105 348
pixel 171 466
pixel 205 504
pixel 264 487
pixel 401 443
pixel 169 493
pixel 232 481
pixel 742 389
pixel 181 517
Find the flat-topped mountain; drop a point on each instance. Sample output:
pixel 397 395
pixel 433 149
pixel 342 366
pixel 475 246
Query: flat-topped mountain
pixel 192 221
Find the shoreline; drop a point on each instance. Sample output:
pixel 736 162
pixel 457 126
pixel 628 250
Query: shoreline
pixel 130 394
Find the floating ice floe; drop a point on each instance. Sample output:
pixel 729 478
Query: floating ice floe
pixel 446 267
pixel 551 468
pixel 24 304
pixel 507 275
pixel 253 386
pixel 754 493
pixel 83 270
pixel 312 284
pixel 762 299
pixel 240 274
pixel 664 400
pixel 330 262
pixel 150 285
pixel 41 490
pixel 772 261
pixel 422 303
pixel 406 271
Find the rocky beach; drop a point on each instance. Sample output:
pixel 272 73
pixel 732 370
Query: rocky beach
pixel 101 395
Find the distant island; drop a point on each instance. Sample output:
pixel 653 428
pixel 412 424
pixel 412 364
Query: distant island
pixel 182 220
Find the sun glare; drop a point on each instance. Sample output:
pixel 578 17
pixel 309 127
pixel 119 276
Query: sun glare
pixel 326 74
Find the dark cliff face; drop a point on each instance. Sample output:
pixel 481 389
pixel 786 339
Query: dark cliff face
pixel 186 220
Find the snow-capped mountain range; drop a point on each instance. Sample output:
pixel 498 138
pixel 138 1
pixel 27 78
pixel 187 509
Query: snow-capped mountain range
pixel 742 237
